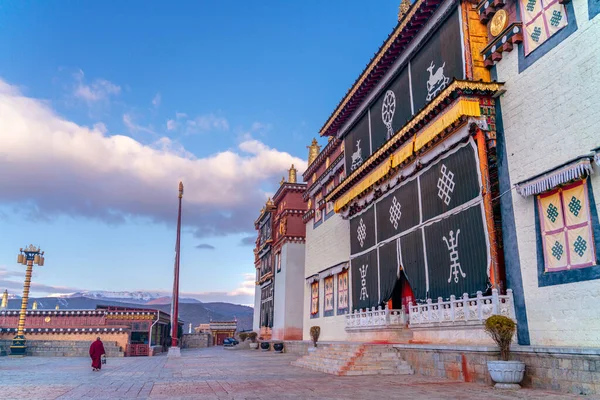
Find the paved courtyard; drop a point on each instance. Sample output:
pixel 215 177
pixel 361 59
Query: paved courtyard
pixel 216 373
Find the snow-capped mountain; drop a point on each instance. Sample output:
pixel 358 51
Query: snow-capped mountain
pixel 139 297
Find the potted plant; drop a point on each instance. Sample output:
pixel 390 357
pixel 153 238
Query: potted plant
pixel 507 374
pixel 315 331
pixel 252 336
pixel 264 346
pixel 278 347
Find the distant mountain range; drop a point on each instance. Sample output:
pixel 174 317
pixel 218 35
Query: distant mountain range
pixel 190 310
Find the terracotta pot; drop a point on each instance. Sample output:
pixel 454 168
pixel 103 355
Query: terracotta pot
pixel 506 374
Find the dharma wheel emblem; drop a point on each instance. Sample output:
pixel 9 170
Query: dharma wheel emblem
pixel 498 22
pixel 388 108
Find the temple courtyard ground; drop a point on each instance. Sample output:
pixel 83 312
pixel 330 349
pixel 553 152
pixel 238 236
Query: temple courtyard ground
pixel 216 373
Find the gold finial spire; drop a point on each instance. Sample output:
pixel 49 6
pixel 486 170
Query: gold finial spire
pixel 34 305
pixel 292 174
pixel 269 202
pixel 180 189
pixel 57 307
pixel 313 151
pixel 403 9
pixel 282 181
pixel 4 300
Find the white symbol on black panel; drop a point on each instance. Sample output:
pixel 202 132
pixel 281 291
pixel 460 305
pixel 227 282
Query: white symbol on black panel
pixel 452 245
pixel 437 81
pixel 395 212
pixel 356 157
pixel 361 233
pixel 363 282
pixel 445 184
pixel 388 108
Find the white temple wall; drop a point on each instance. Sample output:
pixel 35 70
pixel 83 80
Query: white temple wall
pixel 287 318
pixel 326 246
pixel 551 114
pixel 256 319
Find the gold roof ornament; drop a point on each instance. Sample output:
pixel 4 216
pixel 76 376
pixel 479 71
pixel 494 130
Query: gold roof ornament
pixel 403 9
pixel 35 305
pixel 4 299
pixel 313 151
pixel 292 174
pixel 269 202
pixel 57 307
pixel 282 181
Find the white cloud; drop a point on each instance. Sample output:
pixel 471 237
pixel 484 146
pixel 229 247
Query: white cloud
pixel 100 127
pixel 246 288
pixel 171 125
pixel 156 100
pixel 208 122
pixel 130 179
pixel 98 90
pixel 133 127
pixel 259 126
pixel 179 115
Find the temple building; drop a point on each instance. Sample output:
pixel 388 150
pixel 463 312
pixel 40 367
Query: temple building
pixel 326 276
pixel 279 262
pixel 546 52
pixel 137 331
pixel 401 199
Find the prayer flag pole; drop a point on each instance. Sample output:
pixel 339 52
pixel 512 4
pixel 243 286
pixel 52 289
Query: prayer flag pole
pixel 174 350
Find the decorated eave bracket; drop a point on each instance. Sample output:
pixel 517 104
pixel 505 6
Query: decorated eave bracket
pixel 572 170
pixel 487 8
pixel 504 42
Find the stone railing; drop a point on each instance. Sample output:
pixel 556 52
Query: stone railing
pixel 465 310
pixel 376 318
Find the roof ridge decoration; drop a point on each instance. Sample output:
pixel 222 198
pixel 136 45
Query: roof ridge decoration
pixel 398 30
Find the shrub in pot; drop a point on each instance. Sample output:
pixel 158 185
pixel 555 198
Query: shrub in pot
pixel 252 336
pixel 507 374
pixel 264 346
pixel 278 347
pixel 315 332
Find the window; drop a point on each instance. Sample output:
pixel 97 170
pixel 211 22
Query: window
pixel 314 300
pixel 328 308
pixel 278 261
pixel 318 212
pixel 329 205
pixel 343 293
pixel 566 228
pixel 541 20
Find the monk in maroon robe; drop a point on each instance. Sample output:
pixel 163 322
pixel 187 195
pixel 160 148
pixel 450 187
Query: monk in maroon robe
pixel 96 352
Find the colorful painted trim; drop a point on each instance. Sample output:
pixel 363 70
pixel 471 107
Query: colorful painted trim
pixel 487 8
pixel 575 169
pixel 512 35
pixel 63 330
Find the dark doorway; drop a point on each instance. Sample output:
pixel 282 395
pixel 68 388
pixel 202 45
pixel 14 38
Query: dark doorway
pixel 402 294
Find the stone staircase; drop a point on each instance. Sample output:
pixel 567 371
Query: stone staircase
pixel 64 348
pixel 356 359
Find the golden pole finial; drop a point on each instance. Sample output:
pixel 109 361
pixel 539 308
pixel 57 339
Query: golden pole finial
pixel 269 202
pixel 180 189
pixel 292 174
pixel 282 181
pixel 313 151
pixel 35 305
pixel 57 307
pixel 4 300
pixel 403 9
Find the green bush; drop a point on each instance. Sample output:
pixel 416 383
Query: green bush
pixel 502 330
pixel 252 336
pixel 243 336
pixel 315 331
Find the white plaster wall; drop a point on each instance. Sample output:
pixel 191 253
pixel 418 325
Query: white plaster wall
pixel 326 246
pixel 289 293
pixel 551 114
pixel 256 319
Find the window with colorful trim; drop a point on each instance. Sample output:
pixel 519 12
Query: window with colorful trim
pixel 318 211
pixel 328 189
pixel 541 20
pixel 314 300
pixel 328 307
pixel 278 261
pixel 342 303
pixel 566 228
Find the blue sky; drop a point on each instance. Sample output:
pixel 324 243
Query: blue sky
pixel 105 106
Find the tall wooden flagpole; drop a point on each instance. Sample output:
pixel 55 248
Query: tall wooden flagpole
pixel 174 350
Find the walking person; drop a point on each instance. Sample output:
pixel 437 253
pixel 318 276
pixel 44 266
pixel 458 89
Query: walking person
pixel 96 353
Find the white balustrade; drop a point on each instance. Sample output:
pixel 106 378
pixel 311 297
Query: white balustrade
pixel 462 310
pixel 375 318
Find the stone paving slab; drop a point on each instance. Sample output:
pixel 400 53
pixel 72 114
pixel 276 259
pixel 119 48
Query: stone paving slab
pixel 213 373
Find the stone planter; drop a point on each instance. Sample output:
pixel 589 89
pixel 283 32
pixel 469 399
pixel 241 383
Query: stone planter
pixel 264 346
pixel 506 374
pixel 278 347
pixel 253 346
